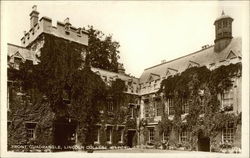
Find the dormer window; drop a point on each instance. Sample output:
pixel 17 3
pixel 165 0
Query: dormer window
pixel 79 32
pixel 17 62
pixel 170 72
pixel 193 64
pixel 231 55
pixel 67 26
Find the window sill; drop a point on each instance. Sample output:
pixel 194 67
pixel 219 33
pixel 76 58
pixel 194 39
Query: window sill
pixel 96 143
pixel 109 142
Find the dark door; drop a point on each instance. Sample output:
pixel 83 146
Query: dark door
pixel 203 142
pixel 131 135
pixel 64 134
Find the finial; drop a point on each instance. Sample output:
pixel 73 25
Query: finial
pixel 66 20
pixel 223 13
pixel 34 7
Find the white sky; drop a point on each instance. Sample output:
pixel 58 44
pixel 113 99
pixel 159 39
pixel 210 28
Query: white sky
pixel 147 31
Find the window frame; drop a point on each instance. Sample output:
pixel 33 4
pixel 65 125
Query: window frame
pixel 170 104
pixel 98 128
pixel 16 64
pixel 30 131
pixel 227 98
pixel 151 135
pixel 110 129
pixel 120 134
pixel 165 136
pixel 228 133
pixel 183 136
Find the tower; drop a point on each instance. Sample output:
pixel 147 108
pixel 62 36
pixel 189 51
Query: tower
pixel 223 32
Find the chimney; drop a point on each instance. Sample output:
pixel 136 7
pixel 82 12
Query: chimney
pixel 67 25
pixel 121 69
pixel 34 16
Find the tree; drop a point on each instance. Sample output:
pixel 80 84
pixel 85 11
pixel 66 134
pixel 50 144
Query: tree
pixel 103 50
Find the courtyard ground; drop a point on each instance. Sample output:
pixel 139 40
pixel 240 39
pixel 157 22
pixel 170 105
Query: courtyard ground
pixel 130 152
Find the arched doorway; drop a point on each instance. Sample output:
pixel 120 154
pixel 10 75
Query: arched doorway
pixel 65 133
pixel 203 142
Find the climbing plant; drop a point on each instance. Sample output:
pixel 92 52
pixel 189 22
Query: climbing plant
pixel 199 87
pixel 63 72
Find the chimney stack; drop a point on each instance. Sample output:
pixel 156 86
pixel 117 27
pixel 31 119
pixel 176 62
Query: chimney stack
pixel 34 16
pixel 121 69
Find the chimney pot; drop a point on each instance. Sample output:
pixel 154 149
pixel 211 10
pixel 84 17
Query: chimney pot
pixel 34 7
pixel 66 20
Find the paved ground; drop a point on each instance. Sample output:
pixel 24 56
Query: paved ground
pixel 130 153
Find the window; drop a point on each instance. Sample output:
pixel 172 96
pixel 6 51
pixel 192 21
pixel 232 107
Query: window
pixel 30 130
pixel 109 134
pixel 157 106
pixel 120 134
pixel 165 136
pixel 225 23
pixel 219 25
pixel 219 35
pixel 97 135
pixel 184 136
pixel 151 134
pixel 132 111
pixel 146 106
pixel 110 106
pixel 227 99
pixel 171 106
pixel 184 107
pixel 17 62
pixel 228 133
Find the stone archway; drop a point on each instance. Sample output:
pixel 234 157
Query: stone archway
pixel 203 142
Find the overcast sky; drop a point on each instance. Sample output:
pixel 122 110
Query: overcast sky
pixel 147 31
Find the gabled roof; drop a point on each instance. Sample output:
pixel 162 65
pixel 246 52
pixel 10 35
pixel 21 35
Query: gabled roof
pixel 231 55
pixel 114 75
pixel 203 57
pixel 15 50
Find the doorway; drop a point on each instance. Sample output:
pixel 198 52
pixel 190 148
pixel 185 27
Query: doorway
pixel 65 133
pixel 130 138
pixel 203 142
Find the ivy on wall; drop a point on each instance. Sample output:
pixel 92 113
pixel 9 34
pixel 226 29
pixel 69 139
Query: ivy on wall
pixel 199 87
pixel 63 75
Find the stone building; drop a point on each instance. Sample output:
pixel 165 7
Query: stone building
pixel 35 121
pixel 225 51
pixel 146 106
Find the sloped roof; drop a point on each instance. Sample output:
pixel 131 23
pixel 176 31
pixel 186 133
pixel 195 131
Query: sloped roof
pixel 18 50
pixel 223 16
pixel 203 57
pixel 123 77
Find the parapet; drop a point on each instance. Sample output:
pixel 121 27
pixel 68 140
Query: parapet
pixel 63 30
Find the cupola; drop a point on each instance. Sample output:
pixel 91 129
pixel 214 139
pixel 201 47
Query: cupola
pixel 223 32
